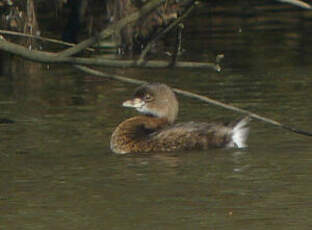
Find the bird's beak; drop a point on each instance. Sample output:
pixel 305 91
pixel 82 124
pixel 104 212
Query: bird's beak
pixel 134 103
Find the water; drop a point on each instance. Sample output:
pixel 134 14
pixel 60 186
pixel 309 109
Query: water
pixel 57 171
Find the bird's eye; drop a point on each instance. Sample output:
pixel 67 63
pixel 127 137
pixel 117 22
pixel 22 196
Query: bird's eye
pixel 148 97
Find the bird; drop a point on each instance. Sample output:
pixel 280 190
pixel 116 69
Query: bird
pixel 156 131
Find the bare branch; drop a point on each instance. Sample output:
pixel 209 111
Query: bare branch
pixel 52 58
pixel 106 33
pixel 162 33
pixel 198 97
pixel 40 38
pixel 298 3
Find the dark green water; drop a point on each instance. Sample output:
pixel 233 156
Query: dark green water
pixel 57 171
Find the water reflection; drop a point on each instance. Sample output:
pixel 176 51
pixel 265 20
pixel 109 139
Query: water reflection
pixel 57 171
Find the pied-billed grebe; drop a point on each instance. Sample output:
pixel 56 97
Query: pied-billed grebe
pixel 155 131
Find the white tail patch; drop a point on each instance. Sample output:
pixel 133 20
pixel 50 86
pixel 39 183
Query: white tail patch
pixel 240 133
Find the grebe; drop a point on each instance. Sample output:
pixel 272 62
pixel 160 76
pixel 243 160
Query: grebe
pixel 155 130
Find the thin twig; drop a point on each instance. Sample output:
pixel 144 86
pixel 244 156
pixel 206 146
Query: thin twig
pixel 109 76
pixel 165 31
pixel 298 3
pixel 40 38
pixel 199 97
pixel 62 57
pixel 178 45
pixel 52 58
pixel 110 30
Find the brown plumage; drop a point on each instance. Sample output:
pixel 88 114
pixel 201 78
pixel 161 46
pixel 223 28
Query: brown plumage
pixel 156 132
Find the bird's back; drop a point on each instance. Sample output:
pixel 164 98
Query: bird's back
pixel 191 135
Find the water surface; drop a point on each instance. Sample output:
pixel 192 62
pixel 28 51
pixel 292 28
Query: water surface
pixel 57 171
